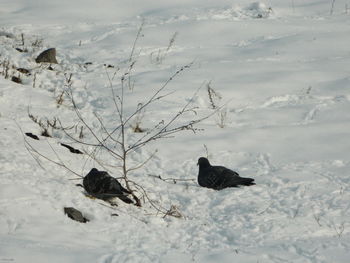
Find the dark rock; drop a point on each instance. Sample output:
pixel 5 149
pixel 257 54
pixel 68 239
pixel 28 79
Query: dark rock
pixel 24 71
pixel 108 65
pixel 138 129
pixel 45 133
pixel 6 34
pixel 75 214
pixel 31 135
pixel 16 79
pixel 21 50
pixel 71 149
pixel 47 56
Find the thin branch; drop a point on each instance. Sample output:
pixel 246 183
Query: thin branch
pixel 106 131
pixel 166 133
pixel 143 163
pixel 101 143
pixel 136 39
pixel 31 148
pixel 163 130
pixel 155 95
pixel 78 114
pixel 332 7
pixel 141 189
pixel 25 142
pixel 174 180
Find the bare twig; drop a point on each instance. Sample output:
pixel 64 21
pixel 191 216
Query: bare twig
pixel 317 219
pixel 332 8
pixel 60 163
pixel 174 180
pixel 135 41
pixel 206 150
pixel 339 230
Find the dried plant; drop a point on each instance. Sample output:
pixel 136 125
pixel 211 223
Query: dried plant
pixel 136 127
pixel 159 56
pixel 214 97
pixel 339 230
pixel 222 118
pixel 5 68
pixel 332 7
pixel 46 125
pixel 215 103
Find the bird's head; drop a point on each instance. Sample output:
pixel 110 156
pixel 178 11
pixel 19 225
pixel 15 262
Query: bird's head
pixel 203 162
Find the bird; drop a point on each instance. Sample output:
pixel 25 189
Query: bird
pixel 219 177
pixel 101 185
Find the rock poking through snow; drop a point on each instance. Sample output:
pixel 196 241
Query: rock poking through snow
pixel 47 56
pixel 75 214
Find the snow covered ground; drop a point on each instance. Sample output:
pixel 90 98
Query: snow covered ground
pixel 282 67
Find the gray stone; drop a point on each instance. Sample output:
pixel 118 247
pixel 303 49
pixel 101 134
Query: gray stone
pixel 75 214
pixel 47 56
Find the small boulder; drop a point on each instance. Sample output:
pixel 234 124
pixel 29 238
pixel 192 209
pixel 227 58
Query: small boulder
pixel 75 214
pixel 47 56
pixel 71 149
pixel 31 135
pixel 16 79
pixel 23 71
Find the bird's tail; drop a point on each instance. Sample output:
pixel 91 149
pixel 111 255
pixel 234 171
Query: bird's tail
pixel 246 181
pixel 125 199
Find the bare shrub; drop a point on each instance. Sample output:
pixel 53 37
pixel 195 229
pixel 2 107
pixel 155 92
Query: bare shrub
pixel 113 140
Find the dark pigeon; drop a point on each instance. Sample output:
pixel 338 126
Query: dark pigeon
pixel 219 177
pixel 101 185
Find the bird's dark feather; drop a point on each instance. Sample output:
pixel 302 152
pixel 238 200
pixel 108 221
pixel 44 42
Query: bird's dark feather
pixel 103 186
pixel 219 177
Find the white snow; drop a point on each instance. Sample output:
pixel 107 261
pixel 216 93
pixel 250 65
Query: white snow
pixel 280 67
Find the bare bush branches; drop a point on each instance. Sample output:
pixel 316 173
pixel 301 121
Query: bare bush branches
pixel 102 137
pixel 115 141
